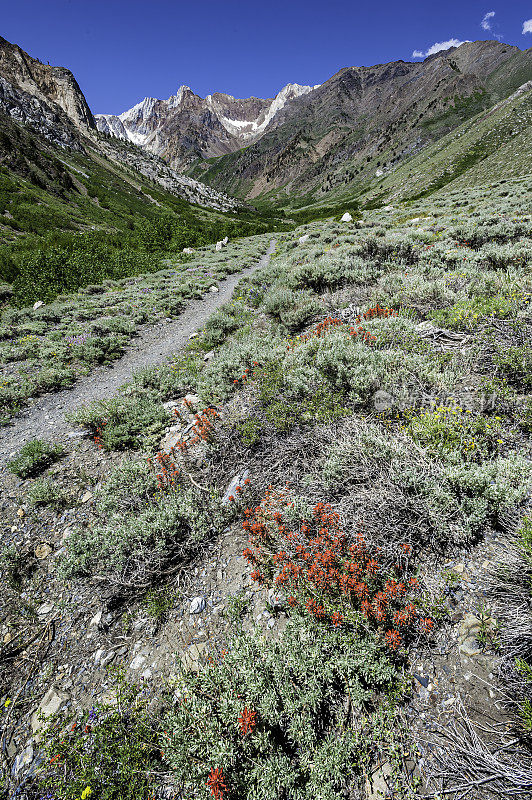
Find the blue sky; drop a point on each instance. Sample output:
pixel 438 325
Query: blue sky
pixel 123 51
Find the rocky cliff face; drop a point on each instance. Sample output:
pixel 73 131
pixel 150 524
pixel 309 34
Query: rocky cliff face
pixel 186 127
pixel 54 86
pixel 42 117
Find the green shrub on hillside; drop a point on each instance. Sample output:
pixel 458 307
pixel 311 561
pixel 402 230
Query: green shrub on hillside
pixel 128 421
pixel 272 719
pixel 34 457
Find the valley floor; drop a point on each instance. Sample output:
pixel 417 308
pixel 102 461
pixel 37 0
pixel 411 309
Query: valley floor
pixel 294 558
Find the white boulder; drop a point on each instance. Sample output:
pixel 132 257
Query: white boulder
pixel 303 239
pixel 37 305
pixel 347 217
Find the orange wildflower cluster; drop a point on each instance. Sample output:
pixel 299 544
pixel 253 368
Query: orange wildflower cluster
pixel 326 326
pixel 201 430
pixel 239 490
pixel 97 438
pixel 216 783
pixel 377 312
pixel 247 374
pixel 247 721
pixel 166 470
pixel 321 329
pixel 331 577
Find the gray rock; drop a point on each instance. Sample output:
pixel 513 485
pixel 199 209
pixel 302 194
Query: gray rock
pixel 137 662
pixel 171 439
pixel 37 305
pixel 379 783
pixel 303 239
pixel 470 647
pixel 219 246
pixel 197 605
pixel 347 217
pixel 469 626
pixel 188 250
pixel 95 621
pixel 50 704
pixel 108 658
pixel 214 290
pixel 45 608
pixel 22 760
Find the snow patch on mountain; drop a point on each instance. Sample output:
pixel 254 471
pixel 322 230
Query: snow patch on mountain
pixel 251 128
pixel 140 124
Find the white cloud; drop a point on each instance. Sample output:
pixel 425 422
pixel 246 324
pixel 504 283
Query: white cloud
pixel 486 24
pixel 437 47
pixel 527 26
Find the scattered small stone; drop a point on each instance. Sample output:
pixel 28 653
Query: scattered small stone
pixel 45 608
pixel 97 618
pixel 137 662
pixel 421 679
pixel 197 605
pixel 86 497
pixel 42 551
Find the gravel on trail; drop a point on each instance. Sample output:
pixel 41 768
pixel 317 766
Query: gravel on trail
pixel 45 418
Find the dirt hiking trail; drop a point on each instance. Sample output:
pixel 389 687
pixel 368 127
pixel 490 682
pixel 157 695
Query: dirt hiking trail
pixel 45 418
